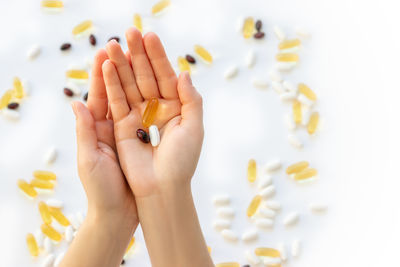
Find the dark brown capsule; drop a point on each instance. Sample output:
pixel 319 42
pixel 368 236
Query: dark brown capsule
pixel 85 96
pixel 246 265
pixel 190 59
pixel 258 25
pixel 65 47
pixel 259 35
pixel 116 38
pixel 143 136
pixel 68 92
pixel 122 262
pixel 92 40
pixel 13 105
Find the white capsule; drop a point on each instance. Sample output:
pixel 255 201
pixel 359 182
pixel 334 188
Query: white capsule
pixel 272 262
pixel 295 141
pixel 291 219
pixel 275 76
pixel 273 165
pixel 39 236
pixel 251 258
pixel 302 33
pixel 48 245
pixel 58 227
pixel 221 200
pixel 59 258
pixel 265 181
pixel 229 235
pixel 273 204
pixel 74 221
pixel 154 135
pixel 250 235
pixel 80 217
pixel 88 62
pixel 55 203
pixel 226 212
pixel 267 192
pixel 285 66
pixel 48 261
pixel 288 96
pixel 318 208
pixel 296 247
pixel 10 114
pixel 231 72
pixel 279 33
pixel 289 122
pixel 305 101
pixel 50 156
pixel 69 232
pixel 277 87
pixel 288 86
pixel 27 87
pixel 282 249
pixel 33 52
pixel 264 223
pixel 266 213
pixel 250 59
pixel 222 224
pixel 306 113
pixel 259 83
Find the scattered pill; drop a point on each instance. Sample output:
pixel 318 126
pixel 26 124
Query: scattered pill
pixel 13 105
pixel 221 224
pixel 288 86
pixel 288 44
pixel 11 115
pixel 33 52
pixel 226 212
pixel 137 22
pixel 250 59
pixel 252 170
pixel 227 264
pixel 282 249
pixel 18 88
pixel 44 175
pixel 231 72
pixel 264 223
pixel 229 235
pixel 48 261
pixel 296 248
pixel 287 57
pixel 305 90
pixel 259 83
pixel 265 181
pixel 42 184
pixel 259 35
pixel 59 258
pixel 27 188
pixel 277 87
pixel 275 76
pixel 143 136
pixel 248 27
pixel 44 212
pixel 291 219
pixel 50 232
pixel 221 200
pixel 305 101
pixel 250 235
pixel 267 252
pixel 160 6
pixel 253 206
pixel 59 216
pixel 297 167
pixel 318 208
pixel 295 141
pixel 150 112
pixel 273 204
pixel 203 54
pixel 279 33
pixel 272 262
pixel 39 238
pixel 69 234
pixel 251 258
pixel 305 174
pixel 154 135
pixel 273 165
pixel 268 191
pixel 55 203
pixel 48 245
pixel 77 74
pixel 85 96
pixel 258 25
pixel 285 66
pixel 50 156
pixel 313 123
pixel 122 262
pixel 65 46
pixel 83 27
pixel 290 124
pixel 190 59
pixel 6 98
pixel 183 65
pixel 266 213
pixel 32 245
pixel 92 40
pixel 288 96
pixel 297 114
pixel 52 4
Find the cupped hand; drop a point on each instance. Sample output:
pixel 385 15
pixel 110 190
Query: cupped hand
pixel 131 80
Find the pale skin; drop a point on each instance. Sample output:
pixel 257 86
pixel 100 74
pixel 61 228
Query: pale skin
pixel 145 184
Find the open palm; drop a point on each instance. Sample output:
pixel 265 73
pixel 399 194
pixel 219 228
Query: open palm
pixel 131 82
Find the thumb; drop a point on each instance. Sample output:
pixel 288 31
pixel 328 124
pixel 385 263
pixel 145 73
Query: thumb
pixel 85 128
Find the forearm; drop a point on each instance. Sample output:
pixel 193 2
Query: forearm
pixel 100 241
pixel 171 228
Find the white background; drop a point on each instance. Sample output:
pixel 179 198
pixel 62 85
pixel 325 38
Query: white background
pixel 351 61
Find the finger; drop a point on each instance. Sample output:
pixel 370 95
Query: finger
pixel 97 99
pixel 125 72
pixel 85 128
pixel 192 103
pixel 144 75
pixel 165 75
pixel 116 96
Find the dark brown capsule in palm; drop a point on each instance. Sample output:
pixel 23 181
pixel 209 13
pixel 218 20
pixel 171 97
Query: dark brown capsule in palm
pixel 85 96
pixel 259 35
pixel 13 105
pixel 143 136
pixel 116 38
pixel 190 59
pixel 258 25
pixel 68 92
pixel 65 47
pixel 92 40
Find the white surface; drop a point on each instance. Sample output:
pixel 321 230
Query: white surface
pixel 351 62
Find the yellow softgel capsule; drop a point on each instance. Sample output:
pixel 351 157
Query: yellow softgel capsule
pixel 160 6
pixel 297 167
pixel 44 212
pixel 287 44
pixel 50 232
pixel 44 175
pixel 252 170
pixel 130 244
pixel 57 214
pixel 52 4
pixel 42 184
pixel 203 53
pixel 313 123
pixel 27 188
pixel 6 98
pixel 32 245
pixel 137 22
pixel 77 74
pixel 267 252
pixel 287 57
pixel 305 174
pixel 227 264
pixel 183 64
pixel 150 112
pixel 82 27
pixel 209 249
pixel 18 88
pixel 248 27
pixel 254 204
pixel 297 114
pixel 305 90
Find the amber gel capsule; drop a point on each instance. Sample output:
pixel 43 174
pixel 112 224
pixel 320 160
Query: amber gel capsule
pixel 150 112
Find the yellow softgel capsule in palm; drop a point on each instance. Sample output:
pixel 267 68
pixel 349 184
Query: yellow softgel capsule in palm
pixel 150 112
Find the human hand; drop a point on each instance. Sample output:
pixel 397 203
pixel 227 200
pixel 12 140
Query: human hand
pixel 130 85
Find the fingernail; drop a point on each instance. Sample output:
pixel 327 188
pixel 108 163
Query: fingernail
pixel 73 107
pixel 188 78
